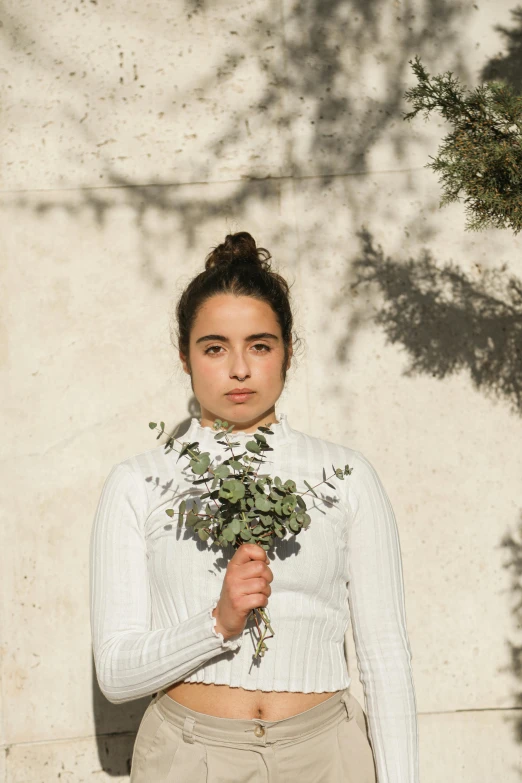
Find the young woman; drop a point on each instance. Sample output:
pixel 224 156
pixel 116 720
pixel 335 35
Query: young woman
pixel 170 613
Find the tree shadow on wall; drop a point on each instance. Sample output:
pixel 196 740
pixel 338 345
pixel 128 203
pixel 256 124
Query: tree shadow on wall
pixel 445 321
pixel 331 92
pixel 508 67
pixel 512 544
pixel 448 322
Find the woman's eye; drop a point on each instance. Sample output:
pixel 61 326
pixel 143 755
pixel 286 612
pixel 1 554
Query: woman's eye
pixel 266 348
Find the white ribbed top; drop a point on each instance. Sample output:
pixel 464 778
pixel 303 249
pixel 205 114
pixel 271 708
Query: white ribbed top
pixel 153 587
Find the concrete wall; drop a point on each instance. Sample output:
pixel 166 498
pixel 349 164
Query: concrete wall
pixel 134 136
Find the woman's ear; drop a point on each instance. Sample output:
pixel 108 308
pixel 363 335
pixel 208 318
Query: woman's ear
pixel 184 363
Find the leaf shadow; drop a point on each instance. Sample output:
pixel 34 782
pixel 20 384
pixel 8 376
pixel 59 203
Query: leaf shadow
pixel 508 67
pixel 444 321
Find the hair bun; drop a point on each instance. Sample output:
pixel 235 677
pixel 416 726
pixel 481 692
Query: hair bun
pixel 239 248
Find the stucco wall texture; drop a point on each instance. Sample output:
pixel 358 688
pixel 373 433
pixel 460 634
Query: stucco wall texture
pixel 134 136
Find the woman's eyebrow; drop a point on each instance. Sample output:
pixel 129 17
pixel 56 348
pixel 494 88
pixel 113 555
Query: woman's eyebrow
pixel 259 336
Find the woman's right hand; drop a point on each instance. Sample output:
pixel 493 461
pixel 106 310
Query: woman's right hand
pixel 246 586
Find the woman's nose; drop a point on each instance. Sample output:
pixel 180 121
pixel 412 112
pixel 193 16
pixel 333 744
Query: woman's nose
pixel 239 367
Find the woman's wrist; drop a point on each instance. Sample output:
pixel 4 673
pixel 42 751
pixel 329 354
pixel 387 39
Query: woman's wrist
pixel 217 625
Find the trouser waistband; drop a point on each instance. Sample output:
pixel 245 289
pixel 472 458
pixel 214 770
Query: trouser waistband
pixel 256 731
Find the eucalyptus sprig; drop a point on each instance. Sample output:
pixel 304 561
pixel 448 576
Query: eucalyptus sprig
pixel 247 507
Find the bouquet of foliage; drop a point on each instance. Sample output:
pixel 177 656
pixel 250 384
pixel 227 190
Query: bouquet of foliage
pixel 246 506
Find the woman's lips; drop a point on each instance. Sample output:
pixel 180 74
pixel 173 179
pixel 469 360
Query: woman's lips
pixel 240 397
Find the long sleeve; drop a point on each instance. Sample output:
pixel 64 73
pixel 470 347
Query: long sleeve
pixel 131 659
pixel 377 607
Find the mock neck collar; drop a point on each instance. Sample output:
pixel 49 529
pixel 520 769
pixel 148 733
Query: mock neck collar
pixel 205 434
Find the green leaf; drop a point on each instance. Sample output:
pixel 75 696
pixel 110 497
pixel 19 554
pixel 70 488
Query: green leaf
pixel 222 471
pixel 203 534
pixel 170 512
pixel 235 526
pixel 232 489
pixel 259 438
pixel 229 533
pixel 245 535
pixel 152 425
pixel 239 488
pixel 263 503
pixel 199 467
pixel 182 506
pixel 252 446
pixel 301 502
pixel 293 525
pixel 311 488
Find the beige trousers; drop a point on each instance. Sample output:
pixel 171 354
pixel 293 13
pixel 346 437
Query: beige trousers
pixel 325 744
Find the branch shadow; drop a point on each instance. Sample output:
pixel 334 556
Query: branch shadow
pixel 318 97
pixel 445 321
pixel 512 544
pixel 508 67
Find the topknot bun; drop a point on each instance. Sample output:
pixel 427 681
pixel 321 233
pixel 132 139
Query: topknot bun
pixel 239 248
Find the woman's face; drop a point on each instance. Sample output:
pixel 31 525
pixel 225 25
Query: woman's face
pixel 236 337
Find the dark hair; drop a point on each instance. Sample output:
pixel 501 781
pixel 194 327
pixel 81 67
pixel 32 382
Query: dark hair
pixel 236 266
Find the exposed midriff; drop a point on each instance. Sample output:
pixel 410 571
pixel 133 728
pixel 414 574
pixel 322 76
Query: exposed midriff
pixel 223 701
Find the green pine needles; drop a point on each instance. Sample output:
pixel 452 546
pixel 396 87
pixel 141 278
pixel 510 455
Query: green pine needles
pixel 246 506
pixel 480 161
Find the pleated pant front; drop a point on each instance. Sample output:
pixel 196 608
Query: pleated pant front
pixel 325 744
